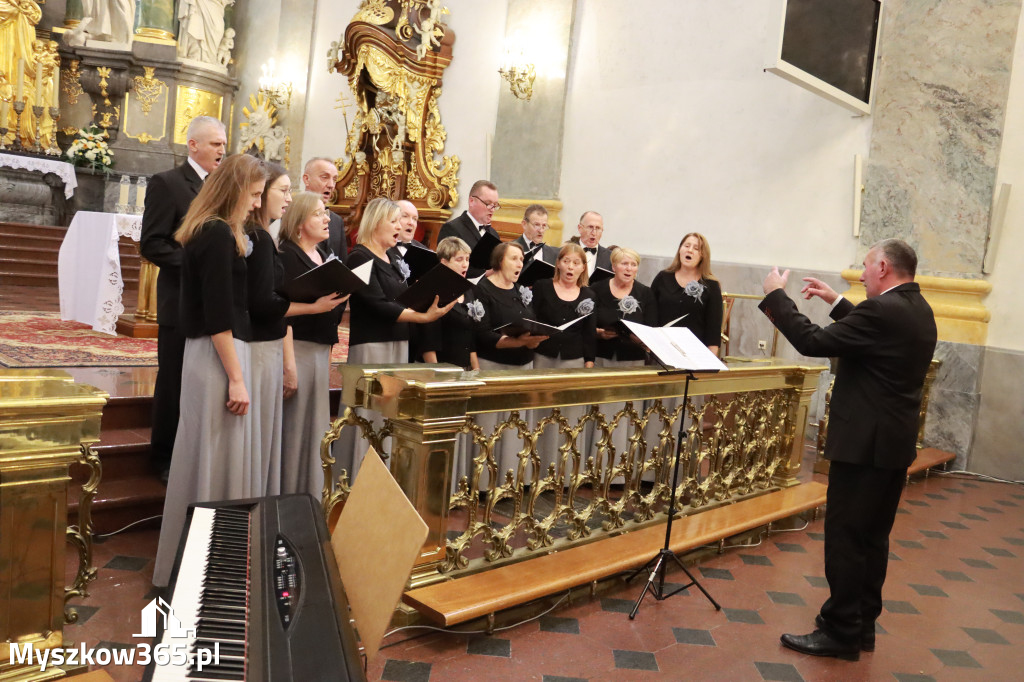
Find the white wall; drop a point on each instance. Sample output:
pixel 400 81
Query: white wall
pixel 1006 330
pixel 672 126
pixel 469 99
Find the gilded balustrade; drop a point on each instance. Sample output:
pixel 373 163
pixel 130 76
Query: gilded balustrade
pixel 743 435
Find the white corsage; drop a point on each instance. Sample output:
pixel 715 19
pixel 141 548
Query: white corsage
pixel 629 305
pixel 525 294
pixel 694 289
pixel 403 269
pixel 248 246
pixel 475 310
pixel 585 307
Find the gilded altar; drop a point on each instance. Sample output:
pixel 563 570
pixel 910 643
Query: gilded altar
pixel 394 53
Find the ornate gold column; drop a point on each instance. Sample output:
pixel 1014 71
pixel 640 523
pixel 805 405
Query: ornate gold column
pixel 804 383
pixel 45 421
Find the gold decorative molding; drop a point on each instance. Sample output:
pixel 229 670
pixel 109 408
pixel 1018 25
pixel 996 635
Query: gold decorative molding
pixel 960 315
pixel 71 82
pixel 154 35
pixel 192 102
pixel 148 88
pixel 104 72
pixel 509 218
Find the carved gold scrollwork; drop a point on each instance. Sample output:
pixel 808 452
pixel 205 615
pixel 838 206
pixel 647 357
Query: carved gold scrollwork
pixel 71 83
pixel 104 72
pixel 81 535
pixel 331 496
pixel 148 88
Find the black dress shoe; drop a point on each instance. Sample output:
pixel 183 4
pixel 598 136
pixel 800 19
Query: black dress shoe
pixel 820 644
pixel 867 637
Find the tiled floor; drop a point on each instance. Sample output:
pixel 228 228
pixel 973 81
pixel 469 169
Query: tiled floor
pixel 954 609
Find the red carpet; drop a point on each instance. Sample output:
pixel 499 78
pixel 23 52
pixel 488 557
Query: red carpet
pixel 29 339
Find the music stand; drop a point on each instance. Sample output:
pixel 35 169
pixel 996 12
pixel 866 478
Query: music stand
pixel 658 564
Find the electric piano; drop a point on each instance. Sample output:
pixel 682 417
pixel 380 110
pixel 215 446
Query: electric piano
pixel 256 581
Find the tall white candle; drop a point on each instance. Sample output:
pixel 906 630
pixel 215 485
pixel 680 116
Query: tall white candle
pixel 4 114
pixel 55 95
pixel 122 197
pixel 140 194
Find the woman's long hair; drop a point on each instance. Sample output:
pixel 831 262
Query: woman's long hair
pixel 222 191
pixel 574 249
pixel 705 256
pixel 304 204
pixel 261 217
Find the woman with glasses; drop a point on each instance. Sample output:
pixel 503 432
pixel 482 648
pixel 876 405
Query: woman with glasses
pixel 211 459
pixel 313 329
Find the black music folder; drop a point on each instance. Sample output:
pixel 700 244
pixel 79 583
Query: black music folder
pixel 331 277
pixel 480 257
pixel 536 328
pixel 419 258
pixel 535 270
pixel 600 274
pixel 442 282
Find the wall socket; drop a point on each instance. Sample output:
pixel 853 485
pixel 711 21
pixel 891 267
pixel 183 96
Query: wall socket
pixel 762 344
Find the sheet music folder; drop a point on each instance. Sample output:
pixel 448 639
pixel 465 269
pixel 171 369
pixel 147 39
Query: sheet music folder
pixel 331 277
pixel 536 269
pixel 420 260
pixel 440 281
pixel 600 274
pixel 676 347
pixel 480 256
pixel 534 327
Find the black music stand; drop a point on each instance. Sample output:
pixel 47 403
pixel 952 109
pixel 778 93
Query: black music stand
pixel 658 564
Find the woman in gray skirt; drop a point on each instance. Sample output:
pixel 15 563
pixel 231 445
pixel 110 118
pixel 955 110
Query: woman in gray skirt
pixel 212 457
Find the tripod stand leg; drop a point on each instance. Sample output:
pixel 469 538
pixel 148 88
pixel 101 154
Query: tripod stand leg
pixel 658 568
pixel 693 581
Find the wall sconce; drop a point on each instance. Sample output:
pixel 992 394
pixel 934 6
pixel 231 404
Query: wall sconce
pixel 277 90
pixel 519 73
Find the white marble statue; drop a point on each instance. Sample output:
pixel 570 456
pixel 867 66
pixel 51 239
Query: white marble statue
pixel 274 144
pixel 201 29
pixel 111 21
pixel 226 45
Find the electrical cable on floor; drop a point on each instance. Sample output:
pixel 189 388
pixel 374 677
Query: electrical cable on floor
pixel 960 473
pixel 470 632
pixel 102 536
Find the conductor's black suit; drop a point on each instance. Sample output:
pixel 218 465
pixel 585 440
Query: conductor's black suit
pixel 884 346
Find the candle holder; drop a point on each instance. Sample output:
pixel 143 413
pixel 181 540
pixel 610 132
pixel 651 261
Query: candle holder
pixel 19 108
pixel 37 112
pixel 3 136
pixel 53 149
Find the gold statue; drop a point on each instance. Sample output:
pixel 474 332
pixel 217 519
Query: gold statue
pixel 18 45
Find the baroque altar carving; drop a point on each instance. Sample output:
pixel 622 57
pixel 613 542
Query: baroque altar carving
pixel 394 53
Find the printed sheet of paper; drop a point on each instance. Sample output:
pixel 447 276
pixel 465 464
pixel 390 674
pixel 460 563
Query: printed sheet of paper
pixel 677 347
pixel 376 542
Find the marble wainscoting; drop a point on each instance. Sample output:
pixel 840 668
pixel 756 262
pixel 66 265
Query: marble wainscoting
pixel 996 449
pixel 953 405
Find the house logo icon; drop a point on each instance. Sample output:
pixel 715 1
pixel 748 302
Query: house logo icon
pixel 155 610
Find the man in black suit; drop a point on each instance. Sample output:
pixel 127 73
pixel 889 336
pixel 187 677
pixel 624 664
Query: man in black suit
pixel 535 224
pixel 591 228
pixel 884 345
pixel 475 220
pixel 167 201
pixel 320 176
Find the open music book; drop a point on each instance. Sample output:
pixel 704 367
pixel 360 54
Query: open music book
pixel 331 277
pixel 440 281
pixel 525 326
pixel 676 347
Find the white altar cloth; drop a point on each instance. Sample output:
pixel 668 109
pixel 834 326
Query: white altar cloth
pixel 65 171
pixel 89 268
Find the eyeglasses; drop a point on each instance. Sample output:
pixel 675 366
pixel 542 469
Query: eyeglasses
pixel 320 213
pixel 494 207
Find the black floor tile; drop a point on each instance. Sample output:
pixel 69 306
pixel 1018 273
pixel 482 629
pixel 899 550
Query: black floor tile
pixel 929 590
pixel 788 598
pixel 957 576
pixel 84 613
pixel 1006 503
pixel 977 563
pixel 127 563
pixel 985 636
pixel 778 672
pixel 901 510
pixel 893 556
pixel 1013 617
pixel 1018 542
pixel 934 534
pixel 1000 552
pixel 955 525
pixel 570 626
pixel 917 503
pixel 820 537
pixel 635 660
pixel 956 659
pixel 559 678
pixel 743 616
pixel 791 547
pixel 991 510
pixel 973 517
pixel 896 606
pixel 716 573
pixel 910 544
pixel 816 580
pixel 406 671
pixel 617 605
pixel 935 496
pixel 698 637
pixel 755 560
pixel 490 646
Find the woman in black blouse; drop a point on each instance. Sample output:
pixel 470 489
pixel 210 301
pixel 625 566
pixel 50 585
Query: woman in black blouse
pixel 557 301
pixel 504 301
pixel 313 329
pixel 212 460
pixel 621 298
pixel 452 339
pixel 687 289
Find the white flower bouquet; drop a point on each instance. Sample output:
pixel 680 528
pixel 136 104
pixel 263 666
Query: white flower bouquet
pixel 90 149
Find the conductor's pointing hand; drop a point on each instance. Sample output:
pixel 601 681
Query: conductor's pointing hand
pixel 775 281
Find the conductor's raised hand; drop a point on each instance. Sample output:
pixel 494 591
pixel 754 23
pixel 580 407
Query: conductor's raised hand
pixel 774 280
pixel 815 287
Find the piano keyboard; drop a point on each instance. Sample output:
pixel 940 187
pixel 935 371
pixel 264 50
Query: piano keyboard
pixel 257 587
